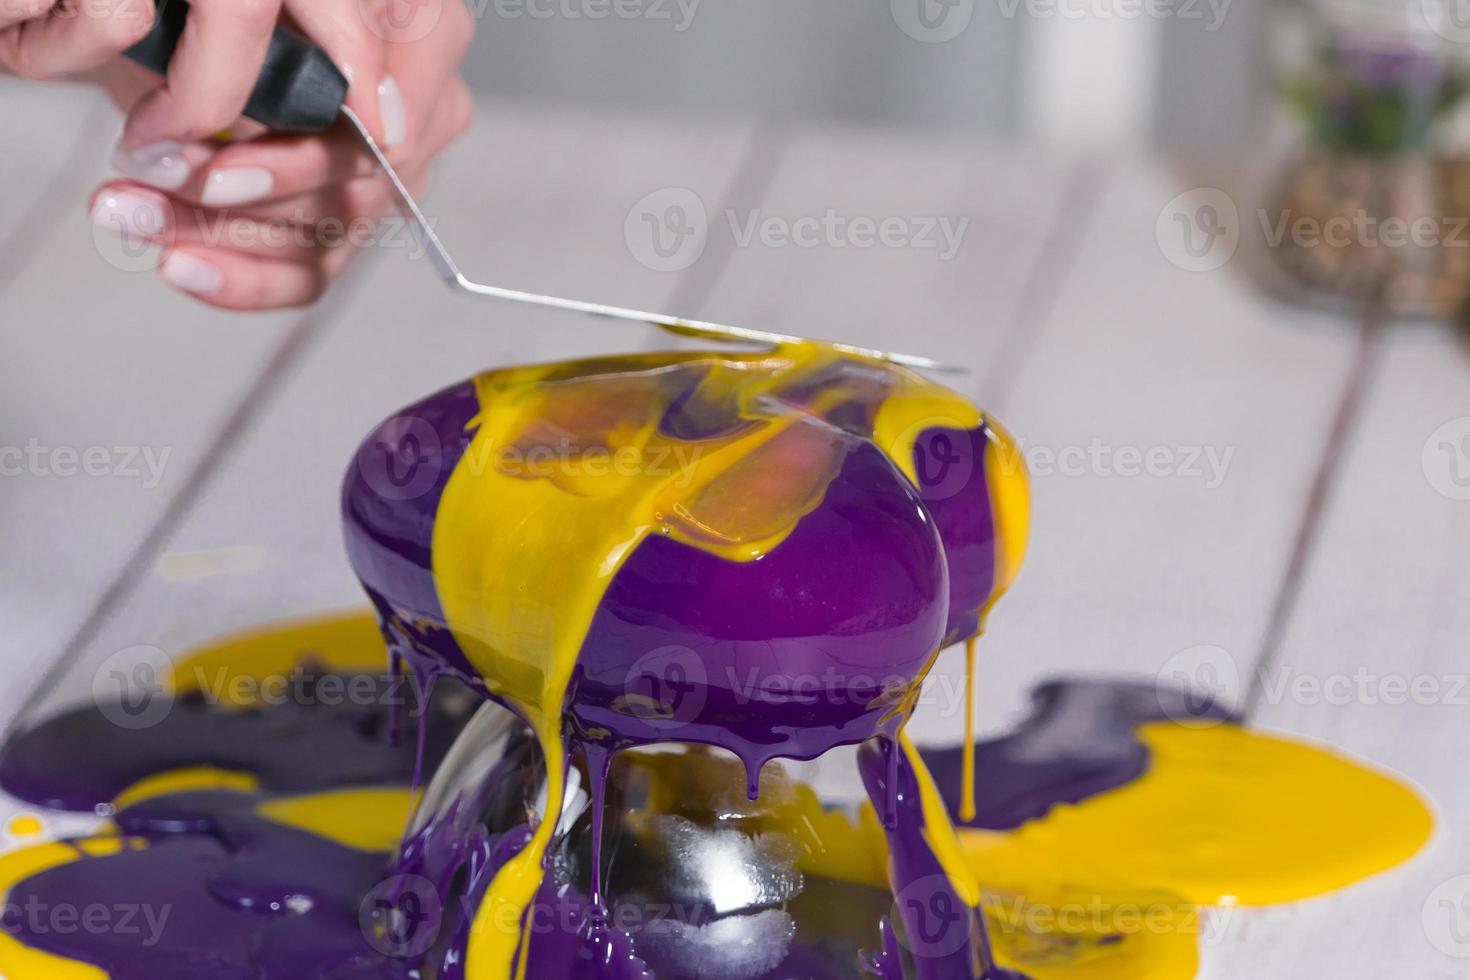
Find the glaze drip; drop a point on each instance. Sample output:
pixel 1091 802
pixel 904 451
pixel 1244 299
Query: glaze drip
pixel 223 855
pixel 629 551
pixel 670 572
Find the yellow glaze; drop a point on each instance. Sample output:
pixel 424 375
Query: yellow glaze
pixel 1063 932
pixel 1107 889
pixel 967 751
pixel 1010 503
pixel 939 832
pixel 1119 885
pixel 17 960
pixel 234 668
pixel 1223 815
pixel 25 825
pixel 1009 490
pixel 365 819
pixel 192 780
pixel 523 552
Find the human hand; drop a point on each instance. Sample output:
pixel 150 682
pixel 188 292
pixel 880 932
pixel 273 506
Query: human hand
pixel 52 38
pixel 266 220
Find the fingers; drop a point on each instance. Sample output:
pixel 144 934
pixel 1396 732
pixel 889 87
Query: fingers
pixel 234 281
pixel 341 29
pixel 267 221
pixel 275 167
pixel 166 164
pixel 426 69
pixel 275 278
pixel 123 81
pixel 203 96
pixel 15 11
pixel 367 195
pixel 219 59
pixel 261 174
pixel 213 71
pixel 295 246
pixel 336 216
pixel 213 243
pixel 42 40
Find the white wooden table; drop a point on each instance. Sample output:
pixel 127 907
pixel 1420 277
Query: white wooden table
pixel 1332 545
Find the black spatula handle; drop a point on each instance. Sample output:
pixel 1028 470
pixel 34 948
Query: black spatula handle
pixel 299 89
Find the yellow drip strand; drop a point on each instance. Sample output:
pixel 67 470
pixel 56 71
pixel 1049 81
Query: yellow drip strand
pixel 967 758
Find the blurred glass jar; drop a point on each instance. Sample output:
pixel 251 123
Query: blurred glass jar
pixel 1370 209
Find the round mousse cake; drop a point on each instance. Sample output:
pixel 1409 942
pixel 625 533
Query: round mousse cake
pixel 762 552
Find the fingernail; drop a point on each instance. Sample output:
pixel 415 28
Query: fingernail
pixel 191 274
pixel 160 164
pixel 395 116
pixel 125 212
pixel 237 185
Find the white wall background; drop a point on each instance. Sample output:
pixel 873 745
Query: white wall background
pixel 1180 73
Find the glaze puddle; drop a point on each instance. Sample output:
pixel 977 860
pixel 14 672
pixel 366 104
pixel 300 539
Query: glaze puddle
pixel 218 860
pixel 673 577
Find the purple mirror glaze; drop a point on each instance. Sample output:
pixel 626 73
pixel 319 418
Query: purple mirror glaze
pixel 390 495
pixel 815 644
pixel 783 656
pixel 217 864
pixel 951 467
pixel 216 877
pixel 1081 739
pixel 79 759
pixel 809 647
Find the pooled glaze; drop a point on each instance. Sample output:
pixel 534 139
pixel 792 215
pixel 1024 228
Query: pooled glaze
pixel 315 735
pixel 759 553
pixel 335 845
pixel 1079 741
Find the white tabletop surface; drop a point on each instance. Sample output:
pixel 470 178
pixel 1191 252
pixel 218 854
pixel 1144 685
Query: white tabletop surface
pixel 1328 537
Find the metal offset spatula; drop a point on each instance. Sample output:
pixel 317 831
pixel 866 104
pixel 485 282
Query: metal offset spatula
pixel 300 90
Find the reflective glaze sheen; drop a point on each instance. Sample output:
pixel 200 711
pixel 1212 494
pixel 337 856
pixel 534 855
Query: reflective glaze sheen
pixel 668 572
pixel 223 868
pixel 736 550
pixel 630 510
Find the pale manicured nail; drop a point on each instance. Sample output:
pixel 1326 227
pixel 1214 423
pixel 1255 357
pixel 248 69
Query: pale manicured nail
pixel 161 165
pixel 237 185
pixel 395 116
pixel 126 212
pixel 191 274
